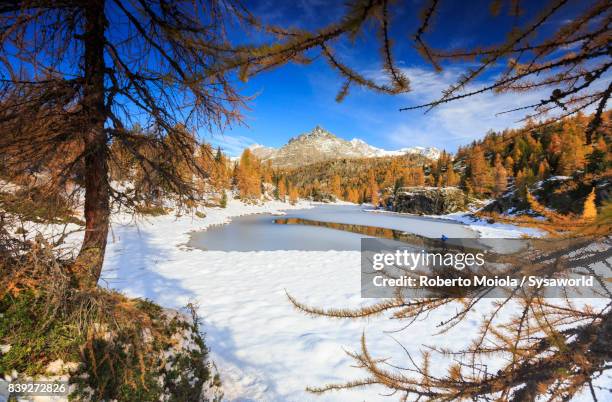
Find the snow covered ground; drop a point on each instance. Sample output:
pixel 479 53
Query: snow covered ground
pixel 492 230
pixel 481 226
pixel 264 348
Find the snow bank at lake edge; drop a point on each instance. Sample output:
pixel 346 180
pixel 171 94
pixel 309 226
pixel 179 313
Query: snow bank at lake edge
pixel 485 229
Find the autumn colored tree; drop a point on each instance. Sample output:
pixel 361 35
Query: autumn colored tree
pixel 206 161
pixel 439 169
pixel 282 189
pixel 248 175
pixel 543 150
pixel 543 169
pixel 500 178
pixel 336 186
pixel 589 210
pixel 220 171
pixel 267 172
pixel 352 195
pixel 572 155
pixel 85 72
pixel 82 73
pixel 293 194
pixel 374 195
pixel 451 178
pixel 480 173
pixel 509 165
pixel 372 190
pixel 414 176
pixel 181 147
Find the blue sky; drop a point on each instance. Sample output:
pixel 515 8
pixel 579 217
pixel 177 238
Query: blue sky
pixel 293 99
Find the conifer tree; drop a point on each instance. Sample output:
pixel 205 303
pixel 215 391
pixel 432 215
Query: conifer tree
pixel 500 176
pixel 554 147
pixel 205 161
pixel 219 155
pixel 248 175
pixel 282 189
pixel 267 172
pixel 336 186
pixel 589 210
pixel 414 176
pixel 524 179
pixel 452 178
pixel 83 73
pixel 480 174
pixel 293 194
pixel 352 195
pixel 599 159
pixel 374 195
pixel 572 155
pixel 509 165
pixel 372 189
pixel 543 169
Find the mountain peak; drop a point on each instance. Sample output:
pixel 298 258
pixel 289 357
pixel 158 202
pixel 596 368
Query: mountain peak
pixel 319 145
pixel 318 130
pixel 315 133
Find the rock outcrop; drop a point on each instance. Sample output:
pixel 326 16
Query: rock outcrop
pixel 428 200
pixel 563 194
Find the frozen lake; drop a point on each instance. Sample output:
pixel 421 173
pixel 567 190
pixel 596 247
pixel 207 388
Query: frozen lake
pixel 261 233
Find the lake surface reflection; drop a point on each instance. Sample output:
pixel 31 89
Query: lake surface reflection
pixel 323 228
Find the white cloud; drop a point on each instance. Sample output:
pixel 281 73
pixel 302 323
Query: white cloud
pixel 233 145
pixel 458 122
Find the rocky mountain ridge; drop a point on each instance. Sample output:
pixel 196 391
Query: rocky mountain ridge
pixel 320 145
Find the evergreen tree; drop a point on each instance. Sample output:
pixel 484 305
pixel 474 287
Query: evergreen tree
pixel 223 201
pixel 599 158
pixel 572 150
pixel 219 155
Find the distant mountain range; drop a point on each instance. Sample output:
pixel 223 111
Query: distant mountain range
pixel 320 145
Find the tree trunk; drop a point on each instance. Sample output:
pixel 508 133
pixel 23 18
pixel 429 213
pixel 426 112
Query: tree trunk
pixel 97 211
